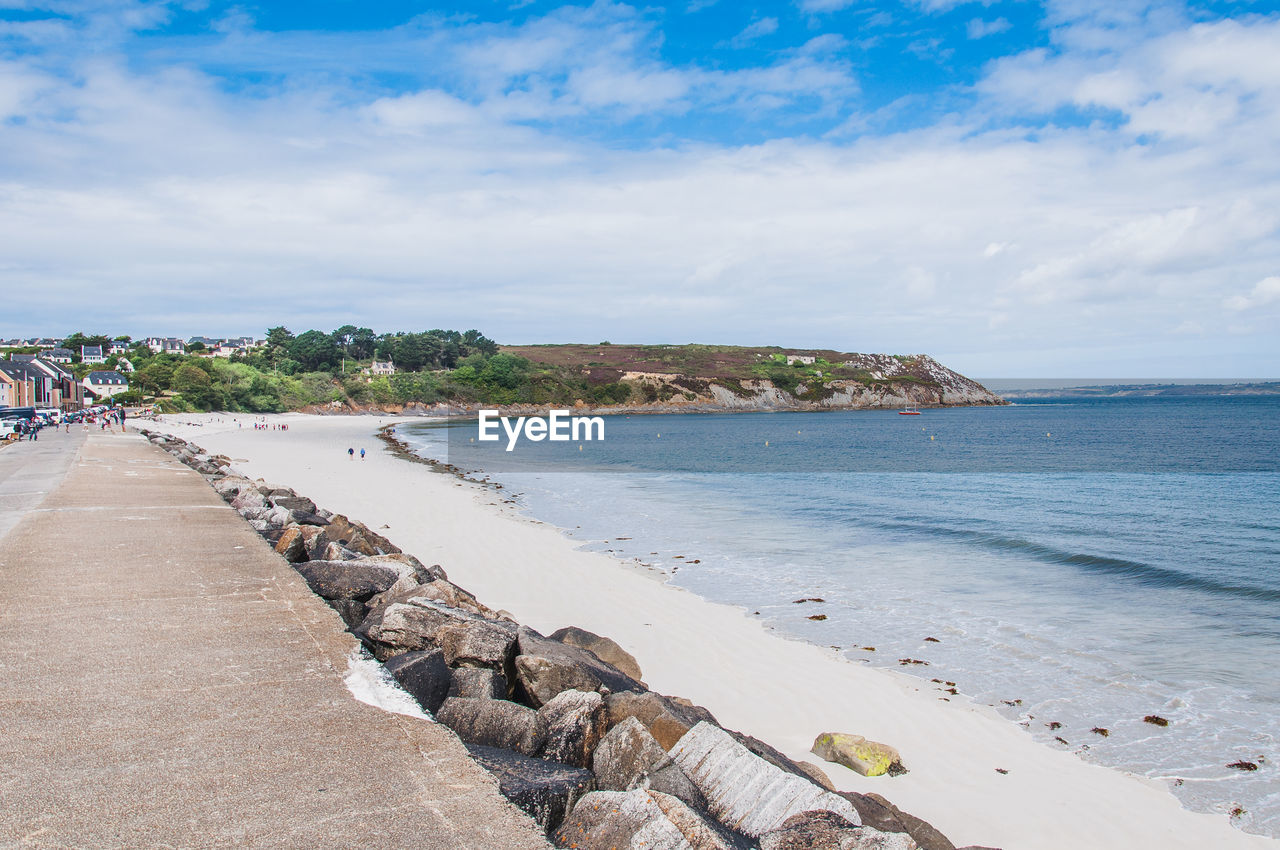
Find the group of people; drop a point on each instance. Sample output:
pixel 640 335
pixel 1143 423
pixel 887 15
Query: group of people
pixel 263 426
pixel 106 420
pixel 351 453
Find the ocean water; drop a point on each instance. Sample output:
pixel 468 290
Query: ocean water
pixel 1078 564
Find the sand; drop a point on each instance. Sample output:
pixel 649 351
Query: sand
pixel 974 775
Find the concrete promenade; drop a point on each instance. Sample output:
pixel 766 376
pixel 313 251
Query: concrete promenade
pixel 167 680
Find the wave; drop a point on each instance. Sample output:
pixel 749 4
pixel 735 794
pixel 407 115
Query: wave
pixel 1150 575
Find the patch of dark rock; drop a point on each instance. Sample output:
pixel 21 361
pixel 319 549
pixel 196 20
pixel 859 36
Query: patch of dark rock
pixel 1155 720
pixel 424 675
pixel 809 599
pixel 575 723
pixel 1002 771
pixel 357 580
pixel 603 648
pixel 932 640
pixel 907 661
pixel 545 790
pixel 1243 765
pixel 878 813
pixel 1061 740
pixel 1054 725
pixel 477 683
pixel 1098 730
pixel 666 718
pixel 494 723
pixel 818 617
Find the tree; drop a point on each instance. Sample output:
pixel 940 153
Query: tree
pixel 278 341
pixel 315 350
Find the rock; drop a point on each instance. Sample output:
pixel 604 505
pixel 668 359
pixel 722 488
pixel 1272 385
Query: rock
pixel 248 500
pixel 232 486
pixel 545 790
pixel 641 820
pixel 424 574
pixel 424 675
pixel 546 667
pixel 455 597
pixel 317 541
pixel 279 517
pixel 337 552
pixel 405 626
pixel 352 611
pixel 291 546
pixel 358 537
pixel 629 757
pixel 494 723
pixel 745 792
pixel 666 718
pixel 304 518
pixel 601 647
pixel 347 579
pixel 294 502
pixel 259 525
pixel 879 813
pixel 856 753
pixel 478 683
pixel 479 643
pixel 823 830
pixel 575 723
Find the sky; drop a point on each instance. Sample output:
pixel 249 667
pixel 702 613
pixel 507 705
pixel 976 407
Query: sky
pixel 1020 189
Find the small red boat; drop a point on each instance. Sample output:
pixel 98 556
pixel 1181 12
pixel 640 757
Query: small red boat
pixel 910 411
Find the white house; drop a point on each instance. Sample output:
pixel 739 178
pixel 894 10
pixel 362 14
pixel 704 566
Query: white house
pixel 57 355
pixel 380 368
pixel 792 359
pixel 118 346
pixel 105 384
pixel 92 354
pixel 125 365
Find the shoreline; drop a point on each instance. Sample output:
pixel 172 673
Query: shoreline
pixel 1047 798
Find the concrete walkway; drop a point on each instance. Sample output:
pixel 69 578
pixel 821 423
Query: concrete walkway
pixel 169 681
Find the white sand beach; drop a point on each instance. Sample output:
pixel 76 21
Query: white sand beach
pixel 973 774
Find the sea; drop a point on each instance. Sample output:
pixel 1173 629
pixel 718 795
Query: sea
pixel 1079 564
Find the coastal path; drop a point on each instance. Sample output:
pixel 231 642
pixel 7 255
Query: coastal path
pixel 168 680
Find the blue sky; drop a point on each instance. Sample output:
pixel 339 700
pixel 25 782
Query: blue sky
pixel 1018 188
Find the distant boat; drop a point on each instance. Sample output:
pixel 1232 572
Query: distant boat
pixel 909 411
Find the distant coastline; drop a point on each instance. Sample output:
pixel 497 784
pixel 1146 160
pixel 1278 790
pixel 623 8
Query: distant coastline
pixel 1144 390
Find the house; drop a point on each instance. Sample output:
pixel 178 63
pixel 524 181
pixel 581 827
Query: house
pixel 226 348
pixel 40 383
pixel 793 359
pixel 125 365
pixel 105 384
pixel 22 358
pixel 92 354
pixel 118 346
pixel 380 368
pixel 15 391
pixel 167 345
pixel 57 355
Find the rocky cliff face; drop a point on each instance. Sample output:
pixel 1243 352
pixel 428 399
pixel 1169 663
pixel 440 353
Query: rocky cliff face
pixel 893 382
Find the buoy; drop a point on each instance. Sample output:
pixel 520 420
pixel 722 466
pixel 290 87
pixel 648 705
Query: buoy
pixel 579 446
pixel 766 442
pixel 1047 434
pixel 931 437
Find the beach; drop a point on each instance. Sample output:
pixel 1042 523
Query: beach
pixel 973 774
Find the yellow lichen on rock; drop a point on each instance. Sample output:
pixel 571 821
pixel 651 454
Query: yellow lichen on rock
pixel 855 752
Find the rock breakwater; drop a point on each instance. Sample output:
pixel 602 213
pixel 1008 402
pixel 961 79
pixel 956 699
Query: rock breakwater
pixel 578 742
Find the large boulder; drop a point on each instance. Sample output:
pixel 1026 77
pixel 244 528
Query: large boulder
pixel 478 683
pixel 495 723
pixel 545 790
pixel 317 540
pixel 629 757
pixel 358 537
pixel 640 820
pixel 855 752
pixel 479 643
pixel 293 502
pixel 407 620
pixel 358 580
pixel 424 675
pixel 666 718
pixel 823 830
pixel 778 759
pixel 546 667
pixel 291 545
pixel 745 792
pixel 450 594
pixel 575 723
pixel 601 647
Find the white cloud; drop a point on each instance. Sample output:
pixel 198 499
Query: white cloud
pixel 979 28
pixel 755 30
pixel 1266 291
pixel 469 204
pixel 819 7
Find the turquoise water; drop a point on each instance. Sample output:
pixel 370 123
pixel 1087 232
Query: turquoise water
pixel 1083 564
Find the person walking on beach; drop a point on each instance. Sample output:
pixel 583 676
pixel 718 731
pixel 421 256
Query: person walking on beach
pixel 362 454
pixel 351 453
